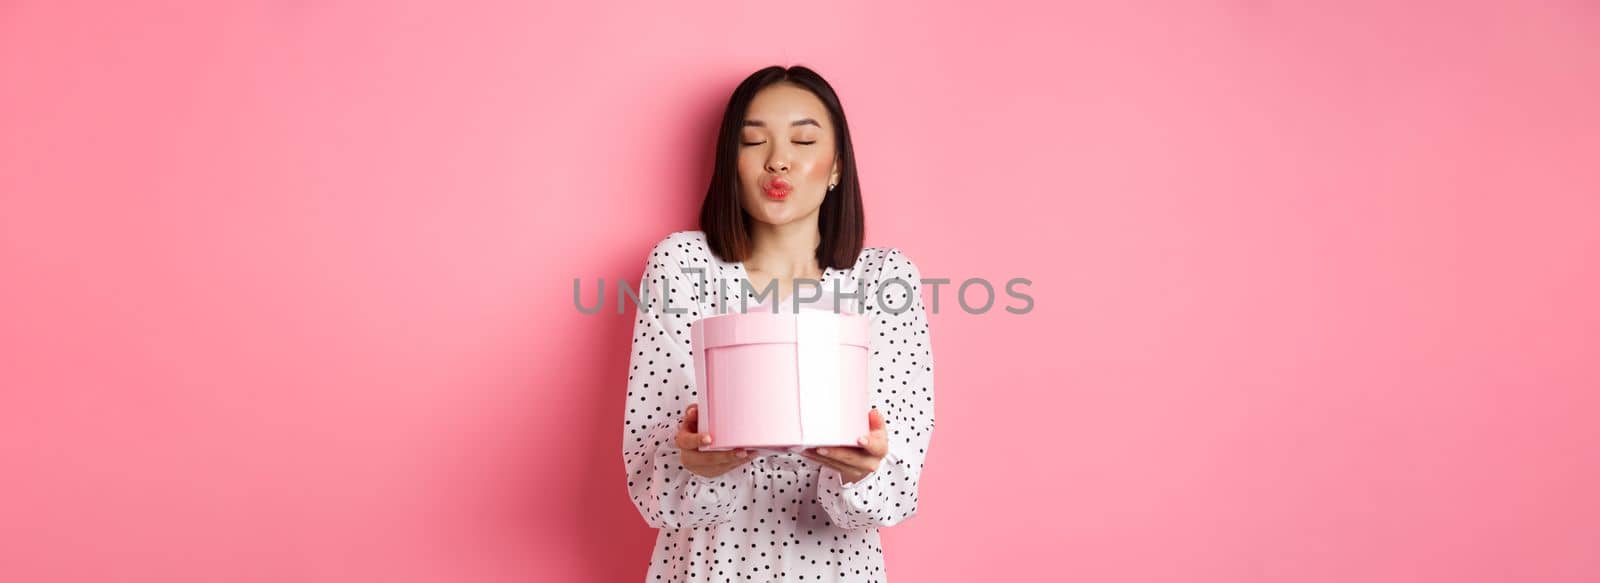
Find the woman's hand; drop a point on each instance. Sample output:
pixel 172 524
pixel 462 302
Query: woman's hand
pixel 709 464
pixel 854 463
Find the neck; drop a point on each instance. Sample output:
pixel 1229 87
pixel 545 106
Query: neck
pixel 787 250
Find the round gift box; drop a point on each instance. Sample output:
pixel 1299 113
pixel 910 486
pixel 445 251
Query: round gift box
pixel 782 382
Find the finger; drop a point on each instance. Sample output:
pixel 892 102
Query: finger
pixel 730 457
pixel 688 437
pixel 854 457
pixel 876 421
pixel 876 441
pixel 691 418
pixel 876 444
pixel 827 462
pixel 687 440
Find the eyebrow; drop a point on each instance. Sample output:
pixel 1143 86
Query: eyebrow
pixel 761 124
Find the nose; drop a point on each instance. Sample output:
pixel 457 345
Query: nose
pixel 775 166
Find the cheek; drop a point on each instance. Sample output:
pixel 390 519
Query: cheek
pixel 750 170
pixel 821 168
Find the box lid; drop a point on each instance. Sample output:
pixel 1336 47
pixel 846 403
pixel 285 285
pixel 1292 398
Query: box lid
pixel 782 327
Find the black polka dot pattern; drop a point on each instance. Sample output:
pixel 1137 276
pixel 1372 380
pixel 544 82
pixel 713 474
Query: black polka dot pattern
pixel 780 517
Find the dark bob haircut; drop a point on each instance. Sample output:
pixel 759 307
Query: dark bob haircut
pixel 840 221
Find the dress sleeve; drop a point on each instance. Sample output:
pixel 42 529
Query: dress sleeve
pixel 660 385
pixel 901 369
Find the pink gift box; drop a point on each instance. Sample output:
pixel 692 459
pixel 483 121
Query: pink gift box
pixel 782 382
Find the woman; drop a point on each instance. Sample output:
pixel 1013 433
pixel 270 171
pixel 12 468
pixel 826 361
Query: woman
pixel 784 205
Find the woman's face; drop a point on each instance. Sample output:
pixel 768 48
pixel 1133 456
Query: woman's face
pixel 786 155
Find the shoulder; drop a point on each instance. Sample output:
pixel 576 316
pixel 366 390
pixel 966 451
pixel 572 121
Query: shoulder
pixel 679 241
pixel 680 249
pixel 887 262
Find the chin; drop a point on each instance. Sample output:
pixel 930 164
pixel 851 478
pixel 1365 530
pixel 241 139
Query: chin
pixel 784 216
pixel 772 220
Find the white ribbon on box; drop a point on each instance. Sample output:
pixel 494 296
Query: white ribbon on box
pixel 817 357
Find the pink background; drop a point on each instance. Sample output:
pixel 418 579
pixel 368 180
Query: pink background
pixel 286 287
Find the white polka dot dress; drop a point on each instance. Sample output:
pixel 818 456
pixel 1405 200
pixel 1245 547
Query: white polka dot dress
pixel 780 517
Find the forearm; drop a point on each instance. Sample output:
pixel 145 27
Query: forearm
pixel 668 495
pixel 885 497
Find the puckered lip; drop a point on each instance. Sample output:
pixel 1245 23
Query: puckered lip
pixel 777 185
